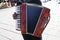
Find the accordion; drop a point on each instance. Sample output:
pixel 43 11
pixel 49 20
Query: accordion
pixel 33 19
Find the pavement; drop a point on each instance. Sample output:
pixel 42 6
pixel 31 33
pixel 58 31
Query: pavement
pixel 8 25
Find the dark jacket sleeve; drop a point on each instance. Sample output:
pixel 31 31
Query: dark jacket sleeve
pixel 32 1
pixel 35 2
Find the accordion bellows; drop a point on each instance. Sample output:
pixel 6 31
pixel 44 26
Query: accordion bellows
pixel 33 19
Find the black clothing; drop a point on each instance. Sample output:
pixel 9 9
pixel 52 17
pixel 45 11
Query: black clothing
pixel 32 1
pixel 30 37
pixel 35 2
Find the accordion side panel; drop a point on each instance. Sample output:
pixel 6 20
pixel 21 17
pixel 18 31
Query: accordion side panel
pixel 42 22
pixel 23 18
pixel 33 14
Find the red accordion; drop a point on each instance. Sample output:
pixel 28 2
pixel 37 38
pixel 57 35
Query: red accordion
pixel 33 19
